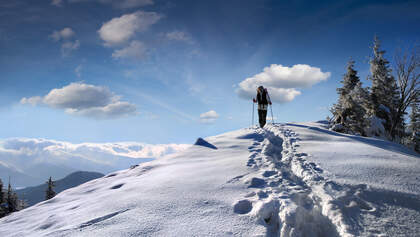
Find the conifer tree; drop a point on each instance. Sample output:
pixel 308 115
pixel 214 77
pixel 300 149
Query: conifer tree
pixel 397 125
pixel 50 193
pixel 11 200
pixel 2 211
pixel 384 92
pixel 21 204
pixel 350 79
pixel 359 103
pixel 1 192
pixel 414 126
pixel 349 112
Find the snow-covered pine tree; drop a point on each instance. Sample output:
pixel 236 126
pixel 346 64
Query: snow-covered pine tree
pixel 384 90
pixel 21 203
pixel 350 79
pixel 50 193
pixel 359 98
pixel 2 211
pixel 11 200
pixel 336 122
pixel 1 192
pixel 397 126
pixel 340 109
pixel 349 113
pixel 414 126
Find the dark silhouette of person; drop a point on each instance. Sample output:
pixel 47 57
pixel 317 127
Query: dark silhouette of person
pixel 263 100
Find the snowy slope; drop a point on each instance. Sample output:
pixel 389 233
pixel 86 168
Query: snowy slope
pixel 284 180
pixel 365 186
pixel 36 194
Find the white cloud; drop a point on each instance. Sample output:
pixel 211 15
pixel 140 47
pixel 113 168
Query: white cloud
pixel 78 71
pixel 57 3
pixel 121 29
pixel 63 34
pixel 135 50
pixel 209 117
pixel 121 3
pixel 86 100
pixel 32 100
pixel 78 96
pixel 179 36
pixel 112 110
pixel 68 47
pixel 282 82
pixel 41 158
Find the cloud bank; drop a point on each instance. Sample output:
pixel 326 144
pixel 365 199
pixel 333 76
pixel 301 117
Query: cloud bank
pixel 209 117
pixel 39 147
pixel 86 100
pixel 282 82
pixel 31 161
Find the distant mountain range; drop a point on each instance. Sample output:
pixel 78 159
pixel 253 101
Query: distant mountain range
pixel 34 195
pixel 31 161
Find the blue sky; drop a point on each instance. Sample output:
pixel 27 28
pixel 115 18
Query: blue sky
pixel 150 68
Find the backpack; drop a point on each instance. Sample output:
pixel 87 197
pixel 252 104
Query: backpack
pixel 262 97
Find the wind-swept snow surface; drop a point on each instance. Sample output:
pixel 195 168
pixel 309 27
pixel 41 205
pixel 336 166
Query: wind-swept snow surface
pixel 284 180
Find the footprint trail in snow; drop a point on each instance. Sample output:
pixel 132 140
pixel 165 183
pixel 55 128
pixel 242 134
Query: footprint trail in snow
pixel 288 195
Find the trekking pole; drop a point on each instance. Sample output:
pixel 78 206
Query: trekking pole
pixel 252 122
pixel 271 107
pixel 272 117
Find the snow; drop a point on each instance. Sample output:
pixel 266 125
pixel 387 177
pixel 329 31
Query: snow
pixel 283 180
pixel 366 186
pixel 376 128
pixel 355 159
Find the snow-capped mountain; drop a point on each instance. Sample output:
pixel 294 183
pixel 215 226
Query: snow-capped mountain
pixel 283 180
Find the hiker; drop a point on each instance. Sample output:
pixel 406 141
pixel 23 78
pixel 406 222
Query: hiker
pixel 263 100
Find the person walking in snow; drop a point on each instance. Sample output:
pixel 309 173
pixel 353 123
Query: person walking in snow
pixel 263 100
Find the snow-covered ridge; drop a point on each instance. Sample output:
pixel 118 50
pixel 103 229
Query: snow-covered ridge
pixel 284 180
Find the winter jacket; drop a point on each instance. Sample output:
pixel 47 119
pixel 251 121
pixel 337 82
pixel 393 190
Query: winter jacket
pixel 263 99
